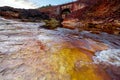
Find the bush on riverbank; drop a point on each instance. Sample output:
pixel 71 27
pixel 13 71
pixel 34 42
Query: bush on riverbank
pixel 51 24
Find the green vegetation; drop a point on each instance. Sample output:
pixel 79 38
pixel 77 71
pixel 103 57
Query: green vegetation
pixel 46 6
pixel 51 24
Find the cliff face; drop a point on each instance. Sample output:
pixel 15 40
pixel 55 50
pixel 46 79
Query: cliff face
pixel 23 14
pixel 106 9
pixel 99 16
pixel 99 10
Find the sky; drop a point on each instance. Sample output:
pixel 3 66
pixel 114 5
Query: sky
pixel 26 4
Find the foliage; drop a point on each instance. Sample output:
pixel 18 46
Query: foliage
pixel 46 6
pixel 51 24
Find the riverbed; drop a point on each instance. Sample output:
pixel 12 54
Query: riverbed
pixel 30 52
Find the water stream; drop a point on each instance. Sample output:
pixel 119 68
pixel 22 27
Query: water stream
pixel 29 52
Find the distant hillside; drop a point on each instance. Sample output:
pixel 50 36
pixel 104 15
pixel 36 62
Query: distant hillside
pixel 23 14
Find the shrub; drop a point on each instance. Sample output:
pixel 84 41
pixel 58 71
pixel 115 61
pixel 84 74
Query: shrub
pixel 51 24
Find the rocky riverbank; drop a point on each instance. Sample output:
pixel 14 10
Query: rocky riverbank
pixel 97 16
pixel 94 26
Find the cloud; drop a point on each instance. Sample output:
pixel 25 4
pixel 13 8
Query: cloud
pixel 18 3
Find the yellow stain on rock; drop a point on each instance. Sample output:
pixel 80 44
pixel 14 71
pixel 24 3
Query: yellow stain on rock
pixel 68 63
pixel 76 64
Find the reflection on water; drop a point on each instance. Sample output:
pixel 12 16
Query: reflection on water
pixel 28 52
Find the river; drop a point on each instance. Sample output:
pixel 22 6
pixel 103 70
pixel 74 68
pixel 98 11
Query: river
pixel 30 52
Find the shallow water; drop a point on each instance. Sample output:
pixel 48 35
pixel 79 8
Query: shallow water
pixel 29 52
